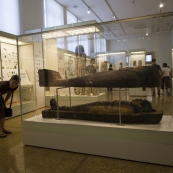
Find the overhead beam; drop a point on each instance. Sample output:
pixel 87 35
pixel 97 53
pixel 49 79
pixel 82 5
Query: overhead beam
pixel 97 16
pixel 114 15
pixel 167 14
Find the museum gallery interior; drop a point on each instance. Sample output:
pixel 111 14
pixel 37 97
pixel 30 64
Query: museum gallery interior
pixel 89 89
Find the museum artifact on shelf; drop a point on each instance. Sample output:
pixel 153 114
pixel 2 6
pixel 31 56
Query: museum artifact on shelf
pixel 137 111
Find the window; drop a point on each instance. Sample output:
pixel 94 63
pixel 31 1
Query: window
pixel 9 16
pixel 53 13
pixel 72 42
pixel 71 18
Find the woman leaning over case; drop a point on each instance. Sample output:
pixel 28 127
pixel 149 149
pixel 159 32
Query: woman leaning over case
pixel 6 87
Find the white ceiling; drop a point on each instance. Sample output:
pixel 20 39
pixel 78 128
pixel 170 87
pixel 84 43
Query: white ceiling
pixel 123 9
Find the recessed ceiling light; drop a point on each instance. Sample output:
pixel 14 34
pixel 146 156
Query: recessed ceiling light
pixel 161 4
pixel 146 33
pixel 75 6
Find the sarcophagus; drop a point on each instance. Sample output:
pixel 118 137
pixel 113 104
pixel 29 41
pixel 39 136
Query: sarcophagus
pixel 124 78
pixel 137 111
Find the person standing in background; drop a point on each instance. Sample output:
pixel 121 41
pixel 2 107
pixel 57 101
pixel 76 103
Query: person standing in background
pixel 110 68
pixel 166 79
pixel 120 65
pixel 154 64
pixel 89 70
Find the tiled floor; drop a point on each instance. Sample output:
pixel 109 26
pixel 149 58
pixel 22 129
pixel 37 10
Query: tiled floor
pixel 17 158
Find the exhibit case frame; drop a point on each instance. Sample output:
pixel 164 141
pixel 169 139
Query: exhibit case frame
pixel 9 65
pixel 150 143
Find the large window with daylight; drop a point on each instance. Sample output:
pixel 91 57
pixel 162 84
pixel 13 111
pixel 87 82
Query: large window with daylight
pixel 72 42
pixel 100 45
pixel 71 18
pixel 53 13
pixel 9 16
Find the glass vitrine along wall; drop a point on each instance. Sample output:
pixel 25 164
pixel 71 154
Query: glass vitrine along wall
pixel 30 61
pixel 9 65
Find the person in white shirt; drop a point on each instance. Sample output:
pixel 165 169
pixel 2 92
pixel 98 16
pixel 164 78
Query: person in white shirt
pixel 166 79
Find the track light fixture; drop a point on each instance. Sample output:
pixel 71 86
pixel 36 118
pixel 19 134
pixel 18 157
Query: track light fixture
pixel 161 4
pixel 88 11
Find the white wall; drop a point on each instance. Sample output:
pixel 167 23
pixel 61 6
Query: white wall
pixel 160 45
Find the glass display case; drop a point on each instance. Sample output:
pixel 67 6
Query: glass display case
pixel 30 61
pixel 10 66
pixel 69 52
pixel 82 117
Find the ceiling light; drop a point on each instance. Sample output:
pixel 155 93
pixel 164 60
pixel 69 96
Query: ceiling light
pixel 146 33
pixel 118 40
pixel 113 16
pixel 88 11
pixel 75 6
pixel 124 39
pixel 107 54
pixel 161 4
pixel 69 32
pixel 137 53
pixel 10 41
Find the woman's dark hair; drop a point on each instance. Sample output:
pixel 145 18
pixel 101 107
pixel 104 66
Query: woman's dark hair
pixel 15 77
pixel 164 64
pixel 110 65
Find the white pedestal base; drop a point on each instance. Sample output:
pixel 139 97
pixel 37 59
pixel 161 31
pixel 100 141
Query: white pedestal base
pixel 132 142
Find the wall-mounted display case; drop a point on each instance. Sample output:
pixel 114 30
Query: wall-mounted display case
pixel 87 115
pixel 10 65
pixel 30 61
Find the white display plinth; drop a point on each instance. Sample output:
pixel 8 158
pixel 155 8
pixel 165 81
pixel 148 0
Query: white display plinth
pixel 63 100
pixel 145 143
